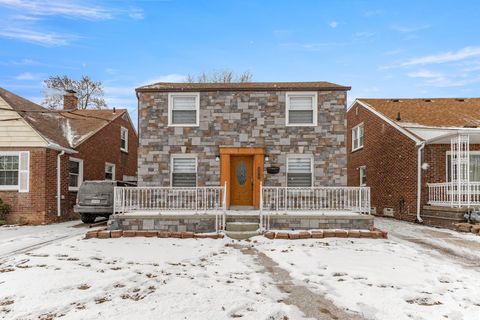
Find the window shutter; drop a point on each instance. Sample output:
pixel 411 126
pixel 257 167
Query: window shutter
pixel 300 110
pixel 184 110
pixel 184 172
pixel 299 172
pixel 24 172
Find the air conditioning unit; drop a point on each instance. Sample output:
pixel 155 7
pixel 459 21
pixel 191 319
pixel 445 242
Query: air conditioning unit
pixel 388 212
pixel 373 210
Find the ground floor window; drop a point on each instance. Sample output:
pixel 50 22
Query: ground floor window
pixel 109 171
pixel 474 166
pixel 299 171
pixel 75 172
pixel 14 170
pixel 363 176
pixel 184 170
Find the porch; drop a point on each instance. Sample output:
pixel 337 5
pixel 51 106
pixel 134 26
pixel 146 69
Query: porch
pixel 204 209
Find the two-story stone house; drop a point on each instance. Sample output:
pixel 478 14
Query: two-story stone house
pixel 243 135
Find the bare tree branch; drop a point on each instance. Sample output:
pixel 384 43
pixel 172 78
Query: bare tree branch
pixel 222 76
pixel 89 92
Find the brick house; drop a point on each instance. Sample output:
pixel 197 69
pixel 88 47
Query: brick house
pixel 242 135
pixel 46 154
pixel 419 156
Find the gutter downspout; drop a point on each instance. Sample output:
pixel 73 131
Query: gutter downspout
pixel 419 180
pixel 59 187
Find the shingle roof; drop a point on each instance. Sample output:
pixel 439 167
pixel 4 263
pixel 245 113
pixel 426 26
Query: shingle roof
pixel 432 112
pixel 243 86
pixel 66 129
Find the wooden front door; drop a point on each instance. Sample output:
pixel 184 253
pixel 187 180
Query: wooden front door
pixel 241 177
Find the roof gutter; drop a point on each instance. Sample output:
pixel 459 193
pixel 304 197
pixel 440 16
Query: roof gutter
pixel 243 89
pixel 57 147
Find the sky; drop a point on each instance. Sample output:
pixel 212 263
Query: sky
pixel 379 48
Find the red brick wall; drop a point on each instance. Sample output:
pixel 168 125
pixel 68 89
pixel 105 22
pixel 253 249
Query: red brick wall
pixel 104 147
pixel 391 163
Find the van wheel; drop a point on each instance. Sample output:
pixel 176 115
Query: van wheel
pixel 87 218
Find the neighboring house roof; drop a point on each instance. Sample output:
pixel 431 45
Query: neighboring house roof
pixel 429 118
pixel 242 86
pixel 67 129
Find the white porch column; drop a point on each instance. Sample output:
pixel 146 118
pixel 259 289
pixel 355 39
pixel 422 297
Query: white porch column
pixel 460 170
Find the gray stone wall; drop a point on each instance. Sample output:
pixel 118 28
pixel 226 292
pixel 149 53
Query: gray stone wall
pixel 242 119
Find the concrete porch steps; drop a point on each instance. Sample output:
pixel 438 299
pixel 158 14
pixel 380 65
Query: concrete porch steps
pixel 444 217
pixel 242 230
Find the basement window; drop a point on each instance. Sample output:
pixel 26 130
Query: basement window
pixel 301 108
pixel 357 137
pixel 183 109
pixel 75 174
pixel 299 171
pixel 184 170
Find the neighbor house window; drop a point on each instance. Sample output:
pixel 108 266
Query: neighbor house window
pixel 184 170
pixel 301 108
pixel 474 166
pixel 109 171
pixel 363 176
pixel 14 171
pixel 299 171
pixel 183 109
pixel 75 172
pixel 124 139
pixel 357 137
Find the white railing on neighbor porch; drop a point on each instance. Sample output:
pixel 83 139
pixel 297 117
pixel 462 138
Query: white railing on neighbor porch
pixel 313 199
pixel 448 194
pixel 165 200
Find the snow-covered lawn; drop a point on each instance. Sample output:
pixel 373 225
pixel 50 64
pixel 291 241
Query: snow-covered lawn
pixel 153 278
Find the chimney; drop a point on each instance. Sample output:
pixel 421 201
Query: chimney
pixel 70 100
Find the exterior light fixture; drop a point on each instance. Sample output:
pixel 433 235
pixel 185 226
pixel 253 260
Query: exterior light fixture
pixel 267 158
pixel 217 158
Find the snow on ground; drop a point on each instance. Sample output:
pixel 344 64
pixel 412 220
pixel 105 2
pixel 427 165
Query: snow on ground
pixel 381 279
pixel 153 278
pixel 138 278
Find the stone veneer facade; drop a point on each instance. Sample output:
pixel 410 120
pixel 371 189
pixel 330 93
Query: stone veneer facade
pixel 242 119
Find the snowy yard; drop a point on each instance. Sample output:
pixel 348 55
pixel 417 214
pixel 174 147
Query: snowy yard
pixel 419 273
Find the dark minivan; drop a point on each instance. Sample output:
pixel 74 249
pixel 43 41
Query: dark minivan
pixel 95 199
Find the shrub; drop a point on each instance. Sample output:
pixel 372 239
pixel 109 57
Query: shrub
pixel 4 210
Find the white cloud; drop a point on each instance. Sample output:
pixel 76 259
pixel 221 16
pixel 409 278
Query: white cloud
pixel 464 53
pixel 48 39
pixel 424 74
pixel 409 29
pixel 333 24
pixel 136 14
pixel 29 76
pixel 56 7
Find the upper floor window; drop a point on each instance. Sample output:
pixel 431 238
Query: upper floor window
pixel 357 137
pixel 184 109
pixel 14 170
pixel 301 108
pixel 109 171
pixel 299 171
pixel 124 139
pixel 75 174
pixel 184 170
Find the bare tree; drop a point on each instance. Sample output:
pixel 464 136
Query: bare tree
pixel 89 92
pixel 222 76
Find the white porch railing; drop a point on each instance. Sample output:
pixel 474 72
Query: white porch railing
pixel 448 194
pixel 138 200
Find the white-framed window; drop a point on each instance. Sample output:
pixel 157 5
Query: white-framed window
pixel 301 108
pixel 183 168
pixel 363 176
pixel 14 171
pixel 474 166
pixel 109 171
pixel 299 170
pixel 184 109
pixel 124 139
pixel 357 137
pixel 75 173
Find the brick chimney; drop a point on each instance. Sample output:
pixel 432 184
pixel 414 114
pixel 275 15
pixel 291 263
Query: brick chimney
pixel 70 100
